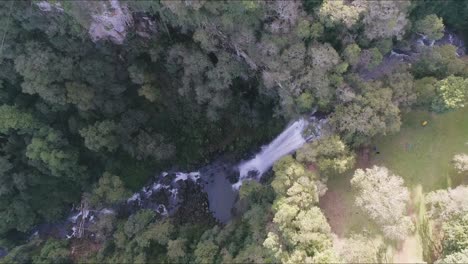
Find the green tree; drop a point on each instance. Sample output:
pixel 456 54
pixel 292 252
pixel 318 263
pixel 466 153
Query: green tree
pixel 102 135
pixel 136 223
pixel 442 205
pixel 460 162
pixel 300 232
pixel 375 58
pixel 352 54
pixel 150 92
pixel 293 57
pixel 431 26
pixel 302 235
pixel 368 115
pixel 291 176
pixel 15 119
pixel 177 249
pixel 361 249
pixel 145 145
pixel 382 196
pixel 452 93
pixel 440 62
pixel 457 257
pixel 305 102
pixel 425 90
pixel 80 95
pixel 206 252
pixel 402 84
pixel 329 153
pixel 385 19
pixel 109 190
pixel 50 150
pixel 455 234
pixel 340 11
pixel 44 72
pixel 53 251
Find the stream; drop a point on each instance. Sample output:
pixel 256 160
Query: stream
pixel 411 53
pixel 222 179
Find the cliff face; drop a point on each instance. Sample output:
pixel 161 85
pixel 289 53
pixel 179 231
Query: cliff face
pixel 112 23
pixel 104 20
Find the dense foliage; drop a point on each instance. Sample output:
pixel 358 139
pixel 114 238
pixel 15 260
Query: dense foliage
pixel 90 109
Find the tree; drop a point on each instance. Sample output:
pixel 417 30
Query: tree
pixel 303 29
pixel 150 92
pixel 452 94
pixel 305 102
pixel 455 234
pixel 361 249
pixel 425 90
pixel 368 115
pixel 402 84
pixel 302 235
pixel 291 178
pixel 457 257
pixel 339 11
pixel 461 162
pixel 442 205
pixel 49 150
pixel 17 214
pixel 159 233
pixel 448 212
pixel 109 190
pixel 53 251
pixel 206 252
pixel 329 153
pixel 145 145
pixel 324 56
pixel 385 19
pixel 300 232
pixel 431 26
pixel 136 223
pixel 293 57
pixel 177 249
pixel 440 62
pixel 352 53
pixel 44 72
pixel 15 119
pixel 371 58
pixel 382 196
pixel 100 136
pixel 80 95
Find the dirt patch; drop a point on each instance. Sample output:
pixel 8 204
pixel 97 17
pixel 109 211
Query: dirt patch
pixel 81 249
pixel 410 251
pixel 312 167
pixel 363 158
pixel 335 210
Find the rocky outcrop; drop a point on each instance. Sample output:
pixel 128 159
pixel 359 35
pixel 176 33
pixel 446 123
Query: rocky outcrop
pixel 112 23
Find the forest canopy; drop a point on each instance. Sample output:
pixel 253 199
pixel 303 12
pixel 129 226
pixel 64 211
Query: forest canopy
pixel 98 96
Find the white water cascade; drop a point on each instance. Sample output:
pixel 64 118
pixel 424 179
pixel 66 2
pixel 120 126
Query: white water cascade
pixel 288 141
pixel 213 179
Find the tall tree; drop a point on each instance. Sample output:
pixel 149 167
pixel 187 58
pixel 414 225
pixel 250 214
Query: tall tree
pixel 382 196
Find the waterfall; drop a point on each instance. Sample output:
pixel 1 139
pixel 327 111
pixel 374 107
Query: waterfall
pixel 288 141
pixel 214 180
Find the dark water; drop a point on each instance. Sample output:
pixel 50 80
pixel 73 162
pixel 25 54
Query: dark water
pixel 3 252
pixel 221 195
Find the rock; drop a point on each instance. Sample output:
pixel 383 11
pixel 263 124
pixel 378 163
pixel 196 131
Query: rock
pixel 48 7
pixel 111 24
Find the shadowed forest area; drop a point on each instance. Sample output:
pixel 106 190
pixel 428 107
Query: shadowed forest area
pixel 195 131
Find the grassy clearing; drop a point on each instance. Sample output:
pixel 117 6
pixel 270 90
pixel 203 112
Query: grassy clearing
pixel 338 207
pixel 422 155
